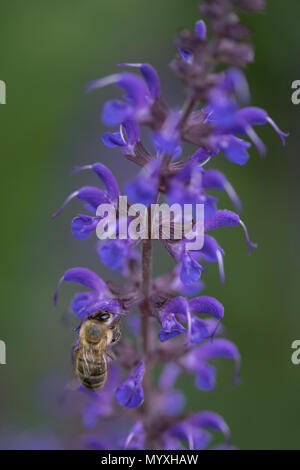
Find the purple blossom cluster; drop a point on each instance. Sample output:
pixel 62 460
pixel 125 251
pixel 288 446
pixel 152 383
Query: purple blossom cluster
pixel 175 330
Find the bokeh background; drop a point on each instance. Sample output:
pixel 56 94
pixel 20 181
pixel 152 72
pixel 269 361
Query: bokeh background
pixel 48 51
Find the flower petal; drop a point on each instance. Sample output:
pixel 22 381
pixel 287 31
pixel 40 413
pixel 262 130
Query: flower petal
pixel 113 139
pixel 130 393
pixel 93 196
pixel 210 420
pixel 107 179
pixel 115 112
pixel 82 276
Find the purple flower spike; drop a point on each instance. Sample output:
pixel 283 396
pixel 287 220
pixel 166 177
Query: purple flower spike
pixel 213 117
pixel 200 30
pixel 130 393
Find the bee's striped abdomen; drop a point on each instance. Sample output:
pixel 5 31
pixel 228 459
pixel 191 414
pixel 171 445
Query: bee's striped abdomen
pixel 92 373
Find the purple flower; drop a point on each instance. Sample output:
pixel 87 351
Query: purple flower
pixel 130 393
pixel 143 189
pixel 196 361
pixel 85 303
pixel 92 196
pixel 116 111
pixel 180 310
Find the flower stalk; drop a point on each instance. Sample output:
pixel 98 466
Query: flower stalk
pixel 179 328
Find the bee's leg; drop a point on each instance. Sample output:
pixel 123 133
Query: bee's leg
pixel 110 354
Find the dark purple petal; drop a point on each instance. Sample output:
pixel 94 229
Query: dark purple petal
pixel 143 189
pixel 167 139
pixel 177 306
pixel 107 179
pixel 221 348
pixel 115 112
pixel 210 420
pixel 207 305
pixel 113 139
pixel 212 252
pixel 224 110
pixel 136 436
pixel 150 77
pixel 196 439
pixel 221 218
pixel 199 331
pixel 130 393
pixel 81 301
pixel 190 270
pixel 171 402
pixel 236 82
pixel 170 327
pixel 235 150
pixel 214 179
pixel 252 116
pixel 169 376
pixel 134 87
pixel 201 155
pixel 93 196
pixel 83 225
pixel 185 54
pixel 206 377
pixel 113 253
pixel 110 305
pixel 225 218
pixel 132 131
pixel 82 276
pixel 200 30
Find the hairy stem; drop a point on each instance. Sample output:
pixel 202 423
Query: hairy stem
pixel 146 322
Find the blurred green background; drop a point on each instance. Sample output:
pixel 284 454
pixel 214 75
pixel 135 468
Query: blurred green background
pixel 48 51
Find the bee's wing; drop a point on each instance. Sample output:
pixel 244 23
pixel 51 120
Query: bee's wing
pixel 73 380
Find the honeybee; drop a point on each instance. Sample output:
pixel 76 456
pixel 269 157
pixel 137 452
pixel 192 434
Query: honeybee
pixel 90 352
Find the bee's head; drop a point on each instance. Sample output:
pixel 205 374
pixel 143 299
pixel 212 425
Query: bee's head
pixel 102 316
